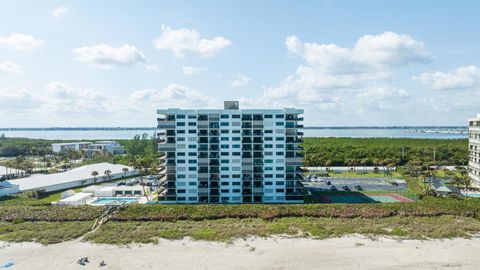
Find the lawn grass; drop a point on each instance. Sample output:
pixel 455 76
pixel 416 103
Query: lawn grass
pixel 228 229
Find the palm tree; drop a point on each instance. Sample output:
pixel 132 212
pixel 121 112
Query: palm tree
pixel 107 173
pixel 328 164
pixel 94 174
pixel 125 170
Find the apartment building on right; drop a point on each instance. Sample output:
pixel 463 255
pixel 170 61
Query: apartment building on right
pixel 474 149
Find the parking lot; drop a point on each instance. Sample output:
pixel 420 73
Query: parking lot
pixel 356 190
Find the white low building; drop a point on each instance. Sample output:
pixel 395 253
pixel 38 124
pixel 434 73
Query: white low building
pixel 77 177
pixel 7 188
pixel 64 147
pixel 77 199
pixel 10 173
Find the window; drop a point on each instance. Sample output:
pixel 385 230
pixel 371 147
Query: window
pixel 279 183
pixel 181 154
pixel 181 161
pixel 180 198
pixel 268 116
pixel 224 116
pixel 224 176
pixel 279 116
pixel 181 176
pixel 192 169
pixel 280 146
pixel 192 183
pixel 235 190
pixel 236 183
pixel 268 183
pixel 225 191
pixel 224 146
pixel 180 131
pixel 236 176
pixel 224 168
pixel 224 161
pixel 181 139
pixel 180 124
pixel 180 116
pixel 224 131
pixel 280 138
pixel 268 138
pixel 192 161
pixel 236 116
pixel 280 168
pixel 279 131
pixel 268 168
pixel 181 191
pixel 181 184
pixel 236 154
pixel 268 131
pixel 223 153
pixel 192 124
pixel 192 131
pixel 192 139
pixel 224 124
pixel 235 138
pixel 224 183
pixel 192 117
pixel 279 123
pixel 268 153
pixel 268 145
pixel 279 153
pixel 236 124
pixel 192 154
pixel 236 146
pixel 235 131
pixel 224 138
pixel 280 190
pixel 192 146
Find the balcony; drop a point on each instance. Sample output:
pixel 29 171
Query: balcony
pixel 166 124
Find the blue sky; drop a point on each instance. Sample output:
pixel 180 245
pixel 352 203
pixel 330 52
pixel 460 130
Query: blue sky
pixel 112 63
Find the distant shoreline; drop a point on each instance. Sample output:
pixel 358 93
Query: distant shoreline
pixel 153 128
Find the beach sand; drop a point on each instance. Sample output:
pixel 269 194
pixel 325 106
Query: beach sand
pixel 350 252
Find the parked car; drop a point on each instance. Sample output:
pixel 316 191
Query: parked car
pixel 333 188
pixel 358 187
pixel 346 188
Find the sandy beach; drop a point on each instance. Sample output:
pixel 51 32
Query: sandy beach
pixel 352 252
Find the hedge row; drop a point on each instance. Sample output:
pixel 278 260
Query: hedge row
pixel 429 207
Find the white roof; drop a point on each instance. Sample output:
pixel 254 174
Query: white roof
pixel 85 172
pixel 77 197
pixel 71 143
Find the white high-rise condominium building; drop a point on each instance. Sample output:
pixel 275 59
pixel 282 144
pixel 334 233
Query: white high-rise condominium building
pixel 474 149
pixel 231 155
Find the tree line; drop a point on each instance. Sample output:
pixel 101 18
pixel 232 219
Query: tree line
pixel 384 151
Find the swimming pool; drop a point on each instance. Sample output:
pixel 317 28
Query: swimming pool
pixel 476 195
pixel 107 200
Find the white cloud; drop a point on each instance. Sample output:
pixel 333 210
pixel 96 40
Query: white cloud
pixel 20 42
pixel 239 80
pixel 59 12
pixel 329 68
pixel 63 98
pixel 11 68
pixel 173 95
pixel 184 40
pixel 187 70
pixel 152 68
pixel 106 56
pixel 17 98
pixel 462 77
pixel 382 97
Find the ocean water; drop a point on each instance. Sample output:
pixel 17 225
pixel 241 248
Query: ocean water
pixel 128 134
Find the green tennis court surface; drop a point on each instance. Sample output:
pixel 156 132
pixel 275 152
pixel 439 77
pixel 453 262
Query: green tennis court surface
pixel 360 198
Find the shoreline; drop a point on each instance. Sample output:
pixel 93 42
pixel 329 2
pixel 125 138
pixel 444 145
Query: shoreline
pixel 278 252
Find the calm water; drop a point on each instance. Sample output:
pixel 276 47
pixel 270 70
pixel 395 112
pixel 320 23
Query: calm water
pixel 128 134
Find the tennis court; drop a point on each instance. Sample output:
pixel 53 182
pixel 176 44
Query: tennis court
pixel 357 197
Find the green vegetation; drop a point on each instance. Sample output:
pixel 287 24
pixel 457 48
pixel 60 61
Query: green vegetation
pixel 357 152
pixel 227 229
pixel 43 232
pixel 429 218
